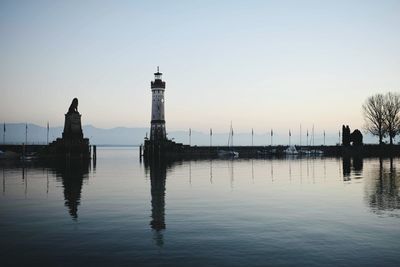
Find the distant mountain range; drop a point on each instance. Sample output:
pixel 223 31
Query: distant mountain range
pixel 15 134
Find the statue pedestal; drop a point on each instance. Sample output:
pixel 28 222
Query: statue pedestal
pixel 73 127
pixel 72 144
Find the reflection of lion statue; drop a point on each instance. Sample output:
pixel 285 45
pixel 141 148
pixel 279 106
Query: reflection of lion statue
pixel 74 106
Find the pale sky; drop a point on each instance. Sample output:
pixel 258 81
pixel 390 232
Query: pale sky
pixel 260 64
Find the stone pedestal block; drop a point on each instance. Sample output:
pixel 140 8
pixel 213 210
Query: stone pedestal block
pixel 73 126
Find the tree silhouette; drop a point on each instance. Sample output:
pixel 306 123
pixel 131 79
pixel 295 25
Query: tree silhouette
pixel 392 115
pixel 374 116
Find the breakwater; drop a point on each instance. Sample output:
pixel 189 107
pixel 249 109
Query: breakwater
pixel 14 151
pixel 176 150
pixel 22 148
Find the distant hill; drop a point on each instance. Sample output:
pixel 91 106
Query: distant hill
pixel 15 134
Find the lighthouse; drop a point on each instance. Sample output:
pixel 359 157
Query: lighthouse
pixel 157 131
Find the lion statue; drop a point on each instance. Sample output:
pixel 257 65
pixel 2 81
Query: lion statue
pixel 74 106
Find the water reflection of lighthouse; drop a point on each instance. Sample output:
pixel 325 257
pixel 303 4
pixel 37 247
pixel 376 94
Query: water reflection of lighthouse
pixel 158 174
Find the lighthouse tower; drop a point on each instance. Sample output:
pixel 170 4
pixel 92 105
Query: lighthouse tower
pixel 157 131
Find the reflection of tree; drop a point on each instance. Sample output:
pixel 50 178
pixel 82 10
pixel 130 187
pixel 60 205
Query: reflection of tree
pixel 346 164
pixel 358 164
pixel 72 174
pixel 383 192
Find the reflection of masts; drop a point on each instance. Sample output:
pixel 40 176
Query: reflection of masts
pixel 211 175
pixel 190 173
pixel 26 133
pixel 47 184
pixel 313 171
pixel 4 183
pixel 231 175
pixel 252 170
pixel 272 171
pixel 25 179
pixel 301 171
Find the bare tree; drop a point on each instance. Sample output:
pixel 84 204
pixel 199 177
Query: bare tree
pixel 392 115
pixel 374 116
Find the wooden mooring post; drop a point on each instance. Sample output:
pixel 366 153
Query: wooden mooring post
pixel 94 152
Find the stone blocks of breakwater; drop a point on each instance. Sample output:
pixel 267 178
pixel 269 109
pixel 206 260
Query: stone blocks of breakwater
pixel 178 150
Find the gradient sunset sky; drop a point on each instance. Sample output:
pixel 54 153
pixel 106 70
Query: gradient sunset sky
pixel 260 64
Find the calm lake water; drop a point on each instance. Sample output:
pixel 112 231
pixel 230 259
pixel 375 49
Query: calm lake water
pixel 273 212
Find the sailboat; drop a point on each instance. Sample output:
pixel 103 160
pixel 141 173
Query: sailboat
pixel 291 150
pixel 229 153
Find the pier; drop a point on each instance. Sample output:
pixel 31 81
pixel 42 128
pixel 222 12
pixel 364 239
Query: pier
pixel 22 148
pixel 176 150
pixel 39 151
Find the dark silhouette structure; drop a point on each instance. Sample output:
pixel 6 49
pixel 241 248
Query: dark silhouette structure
pixel 158 146
pixel 355 138
pixel 72 124
pixel 157 130
pixel 345 135
pixel 74 106
pixel 72 144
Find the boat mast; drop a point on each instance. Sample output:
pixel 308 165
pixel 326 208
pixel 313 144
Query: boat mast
pixel 231 135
